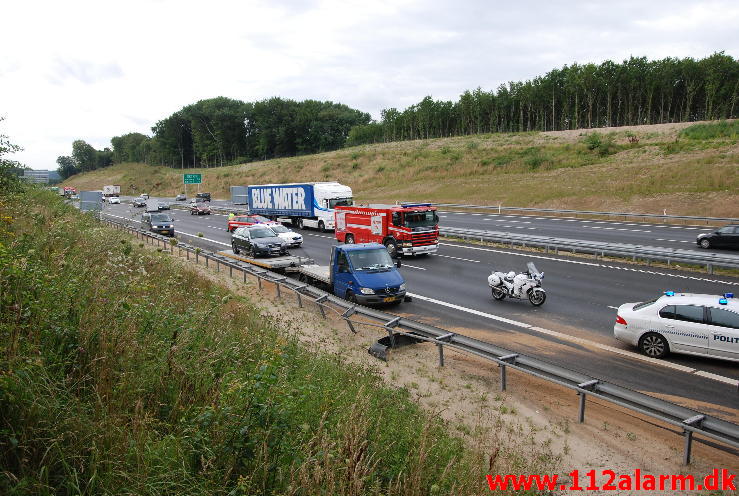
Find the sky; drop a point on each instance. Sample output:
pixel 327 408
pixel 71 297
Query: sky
pixel 93 70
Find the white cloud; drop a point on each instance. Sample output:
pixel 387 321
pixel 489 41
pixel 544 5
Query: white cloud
pixel 93 70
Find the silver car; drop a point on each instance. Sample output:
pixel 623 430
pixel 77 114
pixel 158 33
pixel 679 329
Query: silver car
pixel 694 324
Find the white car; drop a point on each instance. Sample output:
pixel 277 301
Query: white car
pixel 293 239
pixel 113 200
pixel 695 324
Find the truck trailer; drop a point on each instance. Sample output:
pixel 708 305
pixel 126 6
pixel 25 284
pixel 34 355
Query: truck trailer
pixel 300 204
pixel 405 229
pixel 111 190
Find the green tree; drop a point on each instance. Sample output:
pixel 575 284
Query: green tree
pixel 67 166
pixel 8 168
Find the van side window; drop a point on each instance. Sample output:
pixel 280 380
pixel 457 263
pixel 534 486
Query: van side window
pixel 689 313
pixel 724 318
pixel 396 219
pixel 667 312
pixel 343 262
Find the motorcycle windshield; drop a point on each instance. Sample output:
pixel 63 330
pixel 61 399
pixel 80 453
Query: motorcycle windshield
pixel 532 269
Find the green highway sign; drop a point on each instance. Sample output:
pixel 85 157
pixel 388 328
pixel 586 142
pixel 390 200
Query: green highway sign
pixel 192 178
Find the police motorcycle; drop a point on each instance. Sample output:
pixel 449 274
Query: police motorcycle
pixel 523 285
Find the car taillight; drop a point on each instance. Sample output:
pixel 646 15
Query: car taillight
pixel 620 320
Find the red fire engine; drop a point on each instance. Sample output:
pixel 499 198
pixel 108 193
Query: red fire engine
pixel 407 229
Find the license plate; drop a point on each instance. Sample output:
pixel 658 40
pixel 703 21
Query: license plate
pixel 389 299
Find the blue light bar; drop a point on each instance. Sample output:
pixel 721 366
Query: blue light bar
pixel 669 293
pixel 723 301
pixel 728 295
pixel 411 205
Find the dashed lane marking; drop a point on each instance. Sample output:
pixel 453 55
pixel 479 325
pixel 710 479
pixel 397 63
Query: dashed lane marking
pixel 592 264
pixel 458 258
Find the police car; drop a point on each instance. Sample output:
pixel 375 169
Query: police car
pixel 695 324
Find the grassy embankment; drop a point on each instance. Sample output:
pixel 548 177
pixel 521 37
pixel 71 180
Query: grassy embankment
pixel 684 168
pixel 122 374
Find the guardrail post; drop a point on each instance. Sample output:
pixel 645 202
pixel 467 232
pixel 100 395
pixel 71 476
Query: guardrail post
pixel 689 436
pixel 244 273
pixel 259 281
pixel 318 302
pixel 709 268
pixel 583 394
pixel 218 265
pixel 389 328
pixel 349 312
pixel 502 364
pixel 297 292
pixel 230 271
pixel 442 339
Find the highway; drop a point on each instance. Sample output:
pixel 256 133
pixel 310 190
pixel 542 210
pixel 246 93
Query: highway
pixel 639 233
pixel 572 329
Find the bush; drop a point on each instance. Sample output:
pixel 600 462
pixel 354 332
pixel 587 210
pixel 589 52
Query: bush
pixel 603 145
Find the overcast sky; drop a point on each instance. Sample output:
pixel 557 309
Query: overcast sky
pixel 93 70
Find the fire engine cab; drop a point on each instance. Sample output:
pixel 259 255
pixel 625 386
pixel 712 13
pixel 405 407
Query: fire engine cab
pixel 405 229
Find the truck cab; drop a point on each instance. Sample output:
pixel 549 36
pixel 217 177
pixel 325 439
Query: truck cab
pixel 365 274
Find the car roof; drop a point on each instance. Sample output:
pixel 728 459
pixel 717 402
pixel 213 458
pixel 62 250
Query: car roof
pixel 361 246
pixel 699 299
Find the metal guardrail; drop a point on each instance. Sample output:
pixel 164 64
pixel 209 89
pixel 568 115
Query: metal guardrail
pixel 598 248
pixel 625 215
pixel 688 420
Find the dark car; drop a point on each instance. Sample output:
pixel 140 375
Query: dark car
pixel 180 197
pixel 256 241
pixel 158 223
pixel 139 202
pixel 725 237
pixel 201 208
pixel 163 205
pixel 204 196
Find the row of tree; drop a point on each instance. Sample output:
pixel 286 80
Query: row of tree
pixel 636 91
pixel 84 158
pixel 222 131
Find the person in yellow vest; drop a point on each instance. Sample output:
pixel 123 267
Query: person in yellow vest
pixel 231 215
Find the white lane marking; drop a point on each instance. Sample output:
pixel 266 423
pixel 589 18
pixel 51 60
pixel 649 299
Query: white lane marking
pixel 592 264
pixel 125 218
pixel 443 216
pixel 600 222
pixel 716 377
pixel 475 214
pixel 586 221
pixel 319 236
pixel 459 258
pixel 412 266
pixel 571 220
pixel 206 239
pixel 560 335
pixel 609 306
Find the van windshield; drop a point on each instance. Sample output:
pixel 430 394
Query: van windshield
pixel 161 218
pixel 376 259
pixel 340 202
pixel 421 219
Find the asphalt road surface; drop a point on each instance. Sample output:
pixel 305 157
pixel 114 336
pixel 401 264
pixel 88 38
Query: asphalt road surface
pixel 639 233
pixel 572 329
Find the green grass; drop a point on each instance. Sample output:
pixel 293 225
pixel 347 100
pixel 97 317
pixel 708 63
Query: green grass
pixel 712 130
pixel 124 374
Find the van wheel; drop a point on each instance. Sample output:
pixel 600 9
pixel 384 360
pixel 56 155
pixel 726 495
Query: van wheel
pixel 654 345
pixel 392 248
pixel 299 223
pixel 349 240
pixel 321 226
pixel 351 297
pixel 705 244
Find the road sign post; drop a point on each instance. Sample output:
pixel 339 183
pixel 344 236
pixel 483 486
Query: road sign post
pixel 192 179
